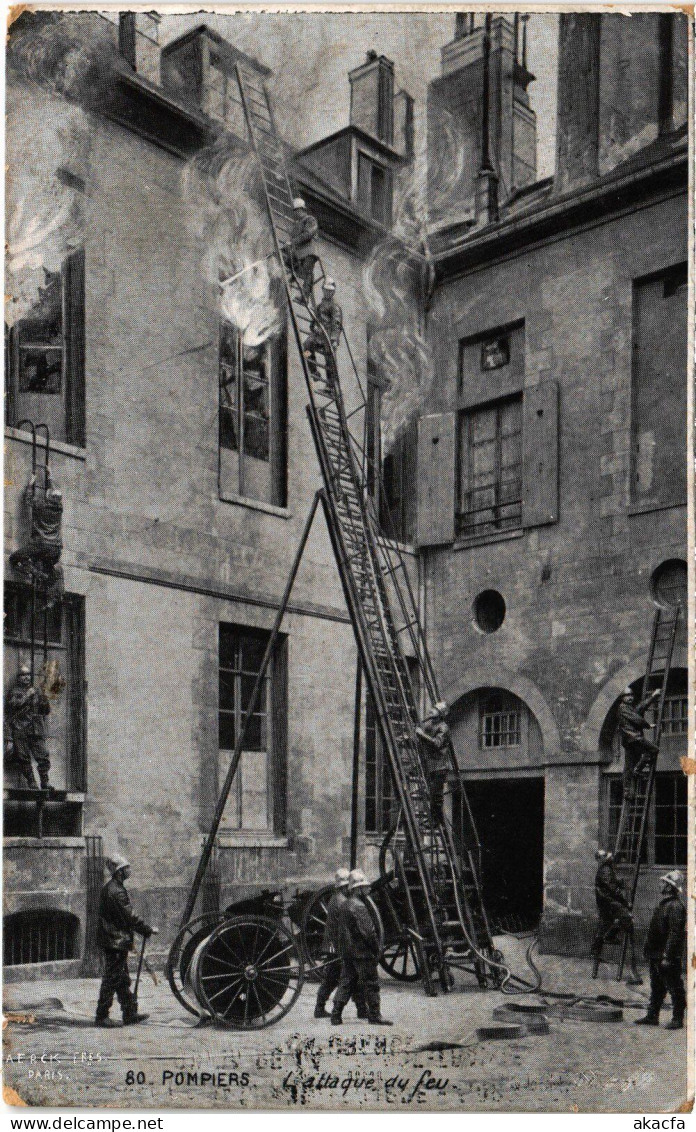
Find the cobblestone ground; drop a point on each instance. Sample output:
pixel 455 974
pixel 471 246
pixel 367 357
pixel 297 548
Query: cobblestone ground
pixel 169 1063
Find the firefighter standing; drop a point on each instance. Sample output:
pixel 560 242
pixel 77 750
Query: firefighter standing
pixel 614 913
pixel 437 747
pixel 331 972
pixel 26 708
pixel 325 329
pixel 115 930
pixel 664 950
pixel 640 753
pixel 301 257
pixel 360 950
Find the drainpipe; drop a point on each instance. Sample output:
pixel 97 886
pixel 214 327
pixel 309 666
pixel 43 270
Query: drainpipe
pixel 487 179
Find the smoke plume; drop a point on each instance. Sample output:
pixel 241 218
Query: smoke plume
pixel 64 63
pixel 398 280
pixel 222 188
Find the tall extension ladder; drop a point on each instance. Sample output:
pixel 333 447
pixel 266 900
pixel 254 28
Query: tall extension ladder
pixel 633 820
pixel 447 918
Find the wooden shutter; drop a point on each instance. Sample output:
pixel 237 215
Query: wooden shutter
pixel 540 455
pixel 279 727
pixel 436 468
pixel 74 614
pixel 74 283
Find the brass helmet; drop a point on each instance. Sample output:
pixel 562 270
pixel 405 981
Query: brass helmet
pixel 357 879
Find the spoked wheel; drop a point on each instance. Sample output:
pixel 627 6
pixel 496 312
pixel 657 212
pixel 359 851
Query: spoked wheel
pixel 313 927
pixel 400 960
pixel 248 973
pixel 180 955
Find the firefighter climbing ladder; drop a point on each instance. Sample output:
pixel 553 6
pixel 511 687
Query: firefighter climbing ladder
pixel 438 883
pixel 633 820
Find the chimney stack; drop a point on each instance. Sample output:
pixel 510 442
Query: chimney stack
pixel 372 97
pixel 487 117
pixel 138 43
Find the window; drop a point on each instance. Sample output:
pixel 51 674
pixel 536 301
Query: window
pixel 490 468
pixel 65 726
pixel 501 723
pixel 667 823
pixel 393 488
pixel 253 418
pixel 45 367
pixel 374 189
pixel 675 718
pixel 659 388
pixel 257 798
pixel 380 799
pixel 40 935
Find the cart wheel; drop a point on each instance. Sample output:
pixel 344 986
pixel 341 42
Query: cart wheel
pixel 400 960
pixel 248 973
pixel 181 953
pixel 313 925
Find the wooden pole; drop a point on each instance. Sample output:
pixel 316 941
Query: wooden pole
pixel 356 768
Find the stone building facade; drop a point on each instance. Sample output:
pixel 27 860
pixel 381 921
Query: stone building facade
pixel 174 564
pixel 557 306
pixel 560 338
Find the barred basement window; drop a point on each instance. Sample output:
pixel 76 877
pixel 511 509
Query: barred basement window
pixel 499 728
pixel 40 935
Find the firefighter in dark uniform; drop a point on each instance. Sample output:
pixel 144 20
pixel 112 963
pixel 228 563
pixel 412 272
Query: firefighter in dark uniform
pixel 664 950
pixel 26 708
pixel 614 913
pixel 640 752
pixel 331 972
pixel 359 949
pixel 301 257
pixel 115 930
pixel 436 739
pixel 38 558
pixel 327 324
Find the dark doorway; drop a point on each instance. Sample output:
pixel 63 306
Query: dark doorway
pixel 509 817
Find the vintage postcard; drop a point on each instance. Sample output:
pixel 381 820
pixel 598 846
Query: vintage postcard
pixel 346 705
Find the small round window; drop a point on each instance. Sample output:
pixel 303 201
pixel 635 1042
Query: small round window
pixel 489 611
pixel 668 584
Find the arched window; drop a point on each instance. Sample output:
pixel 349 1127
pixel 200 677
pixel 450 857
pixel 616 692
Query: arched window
pixel 40 935
pixel 666 841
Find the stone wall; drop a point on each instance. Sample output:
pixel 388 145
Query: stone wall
pixel 577 591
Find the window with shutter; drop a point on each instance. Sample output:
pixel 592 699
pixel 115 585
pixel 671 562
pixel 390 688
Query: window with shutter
pixel 46 363
pixel 490 468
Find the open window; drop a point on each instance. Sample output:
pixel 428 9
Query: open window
pixel 46 356
pixel 66 723
pixel 253 418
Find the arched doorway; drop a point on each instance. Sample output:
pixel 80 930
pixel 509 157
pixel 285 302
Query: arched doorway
pixel 499 746
pixel 667 827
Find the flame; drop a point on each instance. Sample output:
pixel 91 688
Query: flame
pixel 45 214
pixel 221 186
pixel 65 61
